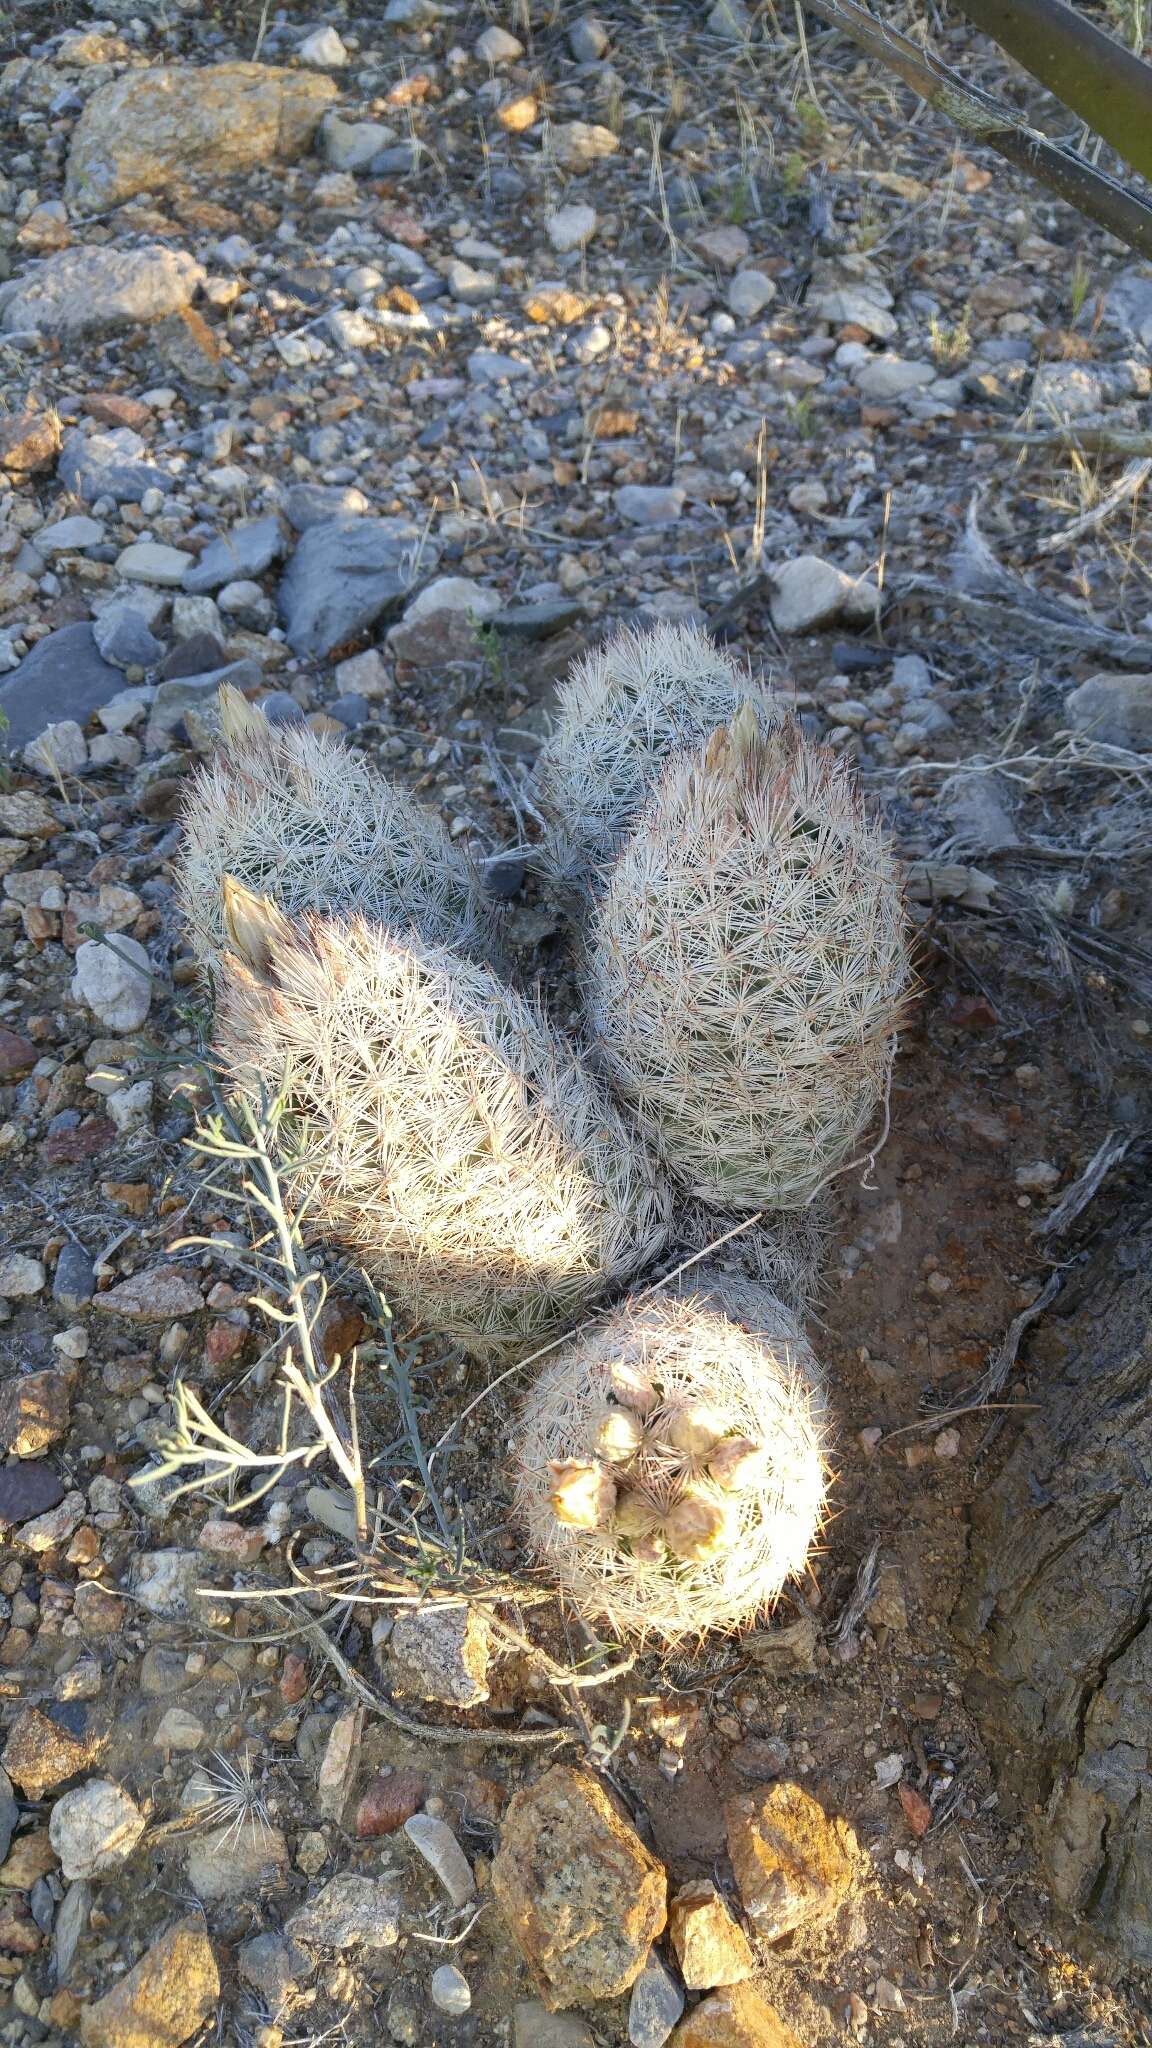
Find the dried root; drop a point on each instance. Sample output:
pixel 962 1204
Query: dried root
pixel 440 1129
pixel 671 1471
pixel 297 816
pixel 623 710
pixel 748 964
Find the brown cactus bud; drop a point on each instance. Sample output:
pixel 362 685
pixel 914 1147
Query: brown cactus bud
pixel 737 1463
pixel 698 1529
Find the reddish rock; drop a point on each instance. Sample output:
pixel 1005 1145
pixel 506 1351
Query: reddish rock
pixel 19 1934
pixel 232 1540
pixel 98 1612
pixel 223 1340
pixel 388 1801
pixel 293 1678
pixel 17 1055
pixel 116 409
pixel 87 1141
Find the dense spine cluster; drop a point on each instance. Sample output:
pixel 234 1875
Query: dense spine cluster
pixel 747 967
pixel 438 1126
pixel 297 816
pixel 671 1473
pixel 624 710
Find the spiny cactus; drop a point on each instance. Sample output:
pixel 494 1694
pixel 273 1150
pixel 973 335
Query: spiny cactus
pixel 748 963
pixel 439 1127
pixel 295 814
pixel 670 1466
pixel 785 1252
pixel 623 709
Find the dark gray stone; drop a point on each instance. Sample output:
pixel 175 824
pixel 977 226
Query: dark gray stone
pixel 280 708
pixel 351 709
pixel 273 1965
pixel 28 1487
pixel 107 466
pixel 316 504
pixel 1115 710
pixel 655 2006
pixel 9 1814
pixel 199 655
pixel 1128 305
pixel 246 551
pixel 193 698
pixel 125 639
pixel 74 1282
pixel 343 577
pixel 64 676
pixel 537 621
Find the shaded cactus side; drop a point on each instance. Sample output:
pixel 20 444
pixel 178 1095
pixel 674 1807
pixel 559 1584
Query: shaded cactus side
pixel 623 709
pixel 748 964
pixel 671 1470
pixel 438 1127
pixel 296 815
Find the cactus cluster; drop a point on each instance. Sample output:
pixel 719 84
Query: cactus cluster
pixel 745 956
pixel 624 709
pixel 438 1125
pixel 671 1472
pixel 298 816
pixel 747 965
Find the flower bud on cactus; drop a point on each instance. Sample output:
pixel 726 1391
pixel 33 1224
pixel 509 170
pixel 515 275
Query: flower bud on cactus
pixel 698 1529
pixel 298 816
pixel 583 1494
pixel 736 1463
pixel 708 1523
pixel 748 964
pixel 696 1428
pixel 619 1437
pixel 624 708
pixel 438 1126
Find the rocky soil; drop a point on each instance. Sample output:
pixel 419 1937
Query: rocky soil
pixel 378 364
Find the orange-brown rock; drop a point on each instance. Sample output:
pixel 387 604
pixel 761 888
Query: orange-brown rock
pixel 166 1999
pixel 737 2017
pixel 29 442
pixel 794 1865
pixel 711 1946
pixel 583 1897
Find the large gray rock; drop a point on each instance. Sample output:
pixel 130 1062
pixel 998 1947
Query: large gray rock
pixel 149 129
pixel 1128 305
pixel 122 634
pixel 64 677
pixel 343 577
pixel 1114 709
pixel 247 550
pixel 95 466
pixel 88 290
